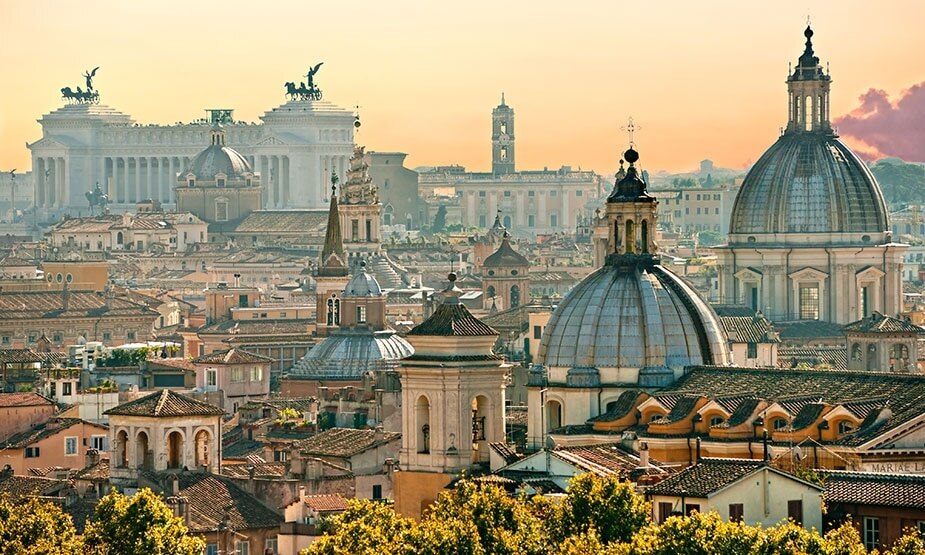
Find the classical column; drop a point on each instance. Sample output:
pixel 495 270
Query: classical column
pixel 262 165
pixel 124 197
pixel 61 184
pixel 171 177
pixel 563 194
pixel 284 167
pixel 101 175
pixel 39 182
pixel 149 174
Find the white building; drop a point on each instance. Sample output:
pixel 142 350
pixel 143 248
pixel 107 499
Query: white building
pixel 295 148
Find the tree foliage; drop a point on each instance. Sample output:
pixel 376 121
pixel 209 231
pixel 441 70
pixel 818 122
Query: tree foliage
pixel 608 506
pixel 36 528
pixel 139 525
pixel 901 182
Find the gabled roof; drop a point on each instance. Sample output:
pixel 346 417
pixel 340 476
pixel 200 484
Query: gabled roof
pixel 344 442
pixel 212 498
pixel 28 399
pixel 453 320
pixel 165 403
pixel 872 488
pixel 44 430
pixel 710 476
pixel 19 356
pixel 325 503
pixel 231 356
pixel 22 487
pixel 878 323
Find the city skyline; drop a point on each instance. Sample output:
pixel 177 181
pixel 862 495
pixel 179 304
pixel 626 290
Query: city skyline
pixel 707 82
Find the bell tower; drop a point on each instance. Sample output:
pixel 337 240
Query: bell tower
pixel 502 139
pixel 808 86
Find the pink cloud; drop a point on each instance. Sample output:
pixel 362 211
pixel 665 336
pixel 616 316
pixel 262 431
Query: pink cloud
pixel 888 129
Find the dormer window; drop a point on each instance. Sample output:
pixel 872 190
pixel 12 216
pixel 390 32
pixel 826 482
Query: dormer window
pixel 191 182
pixel 248 182
pixel 845 427
pixel 220 182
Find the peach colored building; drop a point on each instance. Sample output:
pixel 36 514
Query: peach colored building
pixel 21 411
pixel 58 442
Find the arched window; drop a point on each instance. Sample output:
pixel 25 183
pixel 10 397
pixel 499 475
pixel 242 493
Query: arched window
pixel 333 311
pixel 629 237
pixel 361 315
pixel 809 115
pixel 142 460
pixel 515 296
pixel 422 411
pixel 122 449
pixel 716 420
pixel 553 415
pixel 119 238
pixel 202 448
pixel 779 423
pixel 174 450
pixel 490 291
pixel 481 429
pixel 507 222
pixel 616 236
pixel 872 362
pixel 645 236
pixel 856 353
pixel 387 214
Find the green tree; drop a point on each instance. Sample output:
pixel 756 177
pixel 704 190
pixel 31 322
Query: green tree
pixel 709 238
pixel 609 506
pixel 901 182
pixel 912 543
pixel 439 220
pixel 36 528
pixel 139 525
pixel 366 528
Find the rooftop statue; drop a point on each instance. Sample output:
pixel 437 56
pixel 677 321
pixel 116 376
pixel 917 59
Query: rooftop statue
pixel 303 92
pixel 90 96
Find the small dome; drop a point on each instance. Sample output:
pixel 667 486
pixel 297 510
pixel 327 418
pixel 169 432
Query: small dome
pixel 505 256
pixel 219 159
pixel 363 284
pixel 643 317
pixel 348 354
pixel 809 183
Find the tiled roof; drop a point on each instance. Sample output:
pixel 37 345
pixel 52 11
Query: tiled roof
pixel 807 415
pixel 732 310
pixel 748 329
pixel 452 320
pixel 40 432
pixel 19 356
pixel 505 451
pixel 682 408
pixel 241 449
pixel 297 221
pixel 165 403
pixel 231 356
pixel 809 329
pixel 906 392
pixel 261 470
pixel 878 323
pixel 743 411
pixel 258 327
pixel 623 405
pixel 325 503
pixel 505 257
pixel 603 460
pixel 706 477
pixel 344 442
pixel 212 497
pixel 95 472
pixel 834 356
pixel 29 305
pixel 22 487
pixel 23 400
pixel 174 363
pixel 870 488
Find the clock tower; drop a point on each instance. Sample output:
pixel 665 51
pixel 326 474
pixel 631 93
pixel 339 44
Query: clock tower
pixel 502 139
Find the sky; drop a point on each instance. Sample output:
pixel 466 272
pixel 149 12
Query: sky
pixel 700 79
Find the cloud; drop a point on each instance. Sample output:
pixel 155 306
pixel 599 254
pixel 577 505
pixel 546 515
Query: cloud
pixel 888 129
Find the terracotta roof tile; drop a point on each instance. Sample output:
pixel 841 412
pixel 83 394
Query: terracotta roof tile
pixel 41 431
pixel 870 488
pixel 878 323
pixel 212 497
pixel 707 477
pixel 344 442
pixel 19 356
pixel 165 403
pixel 325 503
pixel 231 356
pixel 23 400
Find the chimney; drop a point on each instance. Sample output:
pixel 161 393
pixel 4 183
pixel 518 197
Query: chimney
pixel 643 455
pixel 698 451
pixel 378 434
pixel 315 471
pixel 764 441
pixel 93 457
pixel 296 462
pixel 175 485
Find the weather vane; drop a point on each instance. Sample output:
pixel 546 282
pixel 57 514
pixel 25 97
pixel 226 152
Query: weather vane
pixel 631 129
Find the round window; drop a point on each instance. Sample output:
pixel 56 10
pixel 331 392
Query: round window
pixel 50 278
pixel 866 238
pixel 69 278
pixel 491 272
pixel 513 272
pixel 59 278
pixel 751 239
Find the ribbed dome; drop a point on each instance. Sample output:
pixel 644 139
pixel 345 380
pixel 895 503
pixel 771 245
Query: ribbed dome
pixel 809 183
pixel 633 316
pixel 362 284
pixel 218 158
pixel 348 354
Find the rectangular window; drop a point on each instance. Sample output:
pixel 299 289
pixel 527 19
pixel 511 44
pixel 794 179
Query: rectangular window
pixel 377 491
pixel 795 510
pixel 553 193
pixel 256 374
pixel 56 338
pixel 66 388
pixel 531 219
pixel 220 182
pixel 6 340
pixel 280 456
pixel 107 336
pixel 579 193
pixel 130 335
pixel 355 230
pixel 242 548
pixel 282 314
pixel 361 315
pixel 809 302
pixel 70 446
pixel 553 220
pixel 698 196
pixel 664 511
pixel 716 210
pixel 698 210
pixel 31 339
pixel 691 508
pixel 677 213
pixel 507 193
pixel 221 211
pixel 687 197
pixel 237 375
pixel 537 332
pixel 687 209
pixel 32 452
pixel 752 350
pixel 482 194
pixel 212 549
pixel 98 443
pixel 212 377
pixel 531 193
pixel 736 512
pixel 715 197
pixel 871 533
pixel 271 545
pixel 482 220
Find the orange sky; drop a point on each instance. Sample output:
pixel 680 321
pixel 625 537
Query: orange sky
pixel 701 79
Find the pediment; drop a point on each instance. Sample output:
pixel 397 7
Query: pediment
pixel 871 272
pixel 47 143
pixel 270 141
pixel 749 273
pixel 809 274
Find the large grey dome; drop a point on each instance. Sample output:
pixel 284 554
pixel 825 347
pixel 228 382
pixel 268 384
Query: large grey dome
pixel 348 354
pixel 633 316
pixel 219 159
pixel 809 183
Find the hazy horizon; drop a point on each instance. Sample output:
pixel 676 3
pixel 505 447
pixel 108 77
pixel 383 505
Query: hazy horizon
pixel 701 81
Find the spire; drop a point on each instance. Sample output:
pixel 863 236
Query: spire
pixel 502 98
pixel 631 187
pixel 332 255
pixel 808 67
pixel 808 88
